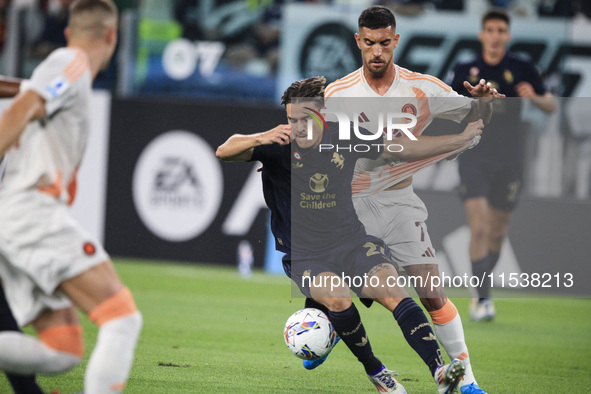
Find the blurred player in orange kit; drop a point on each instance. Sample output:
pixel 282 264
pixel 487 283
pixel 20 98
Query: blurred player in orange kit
pixel 48 263
pixel 21 384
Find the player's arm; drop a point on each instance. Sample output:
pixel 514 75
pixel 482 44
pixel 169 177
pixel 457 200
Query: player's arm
pixel 544 101
pixel 427 146
pixel 27 106
pixel 482 89
pixel 482 106
pixel 239 147
pixel 9 87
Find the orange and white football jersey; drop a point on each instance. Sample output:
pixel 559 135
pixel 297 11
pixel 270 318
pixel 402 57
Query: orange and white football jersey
pixel 423 96
pixel 50 150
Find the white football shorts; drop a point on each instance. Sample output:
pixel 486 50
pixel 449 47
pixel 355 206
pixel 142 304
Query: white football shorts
pixel 398 218
pixel 41 245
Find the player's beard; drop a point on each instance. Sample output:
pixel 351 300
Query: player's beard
pixel 378 72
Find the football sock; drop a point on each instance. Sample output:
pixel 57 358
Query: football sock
pixel 310 303
pixel 448 328
pixel 110 363
pixel 481 268
pixel 418 332
pixel 25 355
pixel 21 384
pixel 493 260
pixel 120 324
pixel 350 328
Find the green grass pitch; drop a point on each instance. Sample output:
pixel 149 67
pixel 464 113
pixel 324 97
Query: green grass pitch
pixel 208 330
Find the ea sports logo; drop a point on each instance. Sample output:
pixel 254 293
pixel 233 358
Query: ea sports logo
pixel 318 182
pixel 177 186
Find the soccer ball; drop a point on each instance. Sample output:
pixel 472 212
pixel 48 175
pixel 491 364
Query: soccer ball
pixel 309 334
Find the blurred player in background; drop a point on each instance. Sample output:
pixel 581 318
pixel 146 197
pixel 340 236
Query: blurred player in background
pixel 382 189
pixel 48 263
pixel 328 238
pixel 21 384
pixel 491 176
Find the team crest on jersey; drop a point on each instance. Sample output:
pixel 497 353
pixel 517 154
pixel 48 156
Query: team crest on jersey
pixel 473 77
pixel 409 109
pixel 318 182
pixel 297 155
pixel 339 160
pixel 508 76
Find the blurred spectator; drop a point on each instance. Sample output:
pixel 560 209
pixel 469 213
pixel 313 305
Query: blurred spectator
pixel 456 5
pixel 551 8
pixel 584 7
pixel 249 30
pixel 415 7
pixel 185 12
pixel 52 36
pixel 123 5
pixel 500 3
pixel 4 6
pixel 561 8
pixel 405 7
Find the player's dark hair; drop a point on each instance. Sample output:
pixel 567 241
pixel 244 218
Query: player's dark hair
pixel 496 13
pixel 376 17
pixel 309 89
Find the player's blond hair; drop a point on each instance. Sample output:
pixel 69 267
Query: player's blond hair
pixel 92 16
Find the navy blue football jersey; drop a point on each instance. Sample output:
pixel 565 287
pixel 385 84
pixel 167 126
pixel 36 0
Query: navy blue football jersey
pixel 504 76
pixel 504 135
pixel 323 215
pixel 276 190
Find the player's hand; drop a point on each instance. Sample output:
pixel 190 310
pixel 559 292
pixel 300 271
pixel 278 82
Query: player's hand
pixel 473 129
pixel 482 89
pixel 279 135
pixel 472 133
pixel 525 89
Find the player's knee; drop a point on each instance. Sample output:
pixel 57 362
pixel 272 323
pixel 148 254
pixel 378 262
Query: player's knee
pixel 64 338
pixel 390 303
pixel 432 297
pixel 480 229
pixel 432 302
pixel 338 304
pixel 66 347
pixel 118 306
pixel 386 291
pixel 497 235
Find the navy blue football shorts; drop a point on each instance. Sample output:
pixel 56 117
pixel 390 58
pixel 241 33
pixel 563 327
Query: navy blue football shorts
pixel 500 184
pixel 350 260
